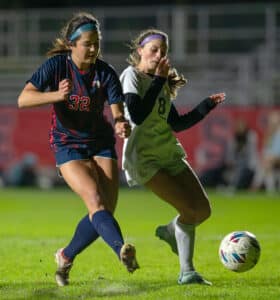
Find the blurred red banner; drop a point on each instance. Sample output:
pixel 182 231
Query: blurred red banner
pixel 27 130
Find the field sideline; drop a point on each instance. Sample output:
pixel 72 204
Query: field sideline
pixel 35 223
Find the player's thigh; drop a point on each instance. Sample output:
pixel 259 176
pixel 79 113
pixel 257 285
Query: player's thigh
pixel 193 188
pixel 109 179
pixel 170 190
pixel 184 192
pixel 197 199
pixel 83 179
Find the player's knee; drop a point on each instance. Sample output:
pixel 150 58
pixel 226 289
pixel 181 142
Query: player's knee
pixel 195 214
pixel 93 200
pixel 203 214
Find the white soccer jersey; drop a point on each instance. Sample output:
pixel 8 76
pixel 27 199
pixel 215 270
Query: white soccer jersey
pixel 151 145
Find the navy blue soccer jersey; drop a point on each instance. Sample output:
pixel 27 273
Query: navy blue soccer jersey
pixel 80 119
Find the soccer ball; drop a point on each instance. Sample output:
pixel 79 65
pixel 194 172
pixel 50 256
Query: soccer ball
pixel 239 251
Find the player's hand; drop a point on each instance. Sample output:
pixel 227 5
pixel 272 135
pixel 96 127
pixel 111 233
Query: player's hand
pixel 163 67
pixel 218 98
pixel 122 129
pixel 64 88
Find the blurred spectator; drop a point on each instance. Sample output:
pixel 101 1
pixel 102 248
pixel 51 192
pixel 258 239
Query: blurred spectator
pixel 211 162
pixel 268 174
pixel 23 172
pixel 214 176
pixel 237 161
pixel 242 157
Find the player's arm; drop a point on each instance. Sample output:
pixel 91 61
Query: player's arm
pixel 122 126
pixel 31 96
pixel 139 108
pixel 182 122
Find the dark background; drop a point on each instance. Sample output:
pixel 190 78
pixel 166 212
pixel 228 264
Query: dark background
pixel 15 4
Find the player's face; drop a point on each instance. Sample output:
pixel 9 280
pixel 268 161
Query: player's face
pixel 150 54
pixel 86 49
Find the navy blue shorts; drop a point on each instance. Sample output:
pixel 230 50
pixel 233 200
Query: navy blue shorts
pixel 67 154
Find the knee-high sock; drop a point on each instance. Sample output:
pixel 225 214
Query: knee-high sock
pixel 108 228
pixel 84 235
pixel 185 236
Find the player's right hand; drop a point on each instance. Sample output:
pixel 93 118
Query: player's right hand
pixel 64 88
pixel 163 67
pixel 123 129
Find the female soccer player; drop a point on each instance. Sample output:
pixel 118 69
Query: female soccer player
pixel 77 82
pixel 152 156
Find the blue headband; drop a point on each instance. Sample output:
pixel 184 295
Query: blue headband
pixel 151 37
pixel 81 29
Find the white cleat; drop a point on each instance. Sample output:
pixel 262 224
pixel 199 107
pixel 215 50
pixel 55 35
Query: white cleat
pixel 192 277
pixel 63 269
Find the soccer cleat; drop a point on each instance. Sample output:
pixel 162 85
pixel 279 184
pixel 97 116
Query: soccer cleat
pixel 63 269
pixel 192 277
pixel 163 233
pixel 128 257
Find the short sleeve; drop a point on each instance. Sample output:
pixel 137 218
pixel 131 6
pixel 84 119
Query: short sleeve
pixel 130 81
pixel 114 88
pixel 44 75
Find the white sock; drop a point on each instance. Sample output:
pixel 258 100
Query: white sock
pixel 185 236
pixel 171 226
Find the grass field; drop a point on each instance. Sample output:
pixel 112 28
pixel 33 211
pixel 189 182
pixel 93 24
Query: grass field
pixel 34 224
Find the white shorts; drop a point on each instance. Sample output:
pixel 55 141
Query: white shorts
pixel 142 174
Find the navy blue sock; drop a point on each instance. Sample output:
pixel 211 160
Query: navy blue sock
pixel 84 235
pixel 108 228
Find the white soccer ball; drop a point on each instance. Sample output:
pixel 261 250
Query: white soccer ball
pixel 239 251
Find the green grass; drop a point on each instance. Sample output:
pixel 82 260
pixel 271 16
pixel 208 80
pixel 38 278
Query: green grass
pixel 34 223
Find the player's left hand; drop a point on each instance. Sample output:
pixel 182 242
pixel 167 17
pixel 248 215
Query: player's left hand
pixel 218 98
pixel 123 129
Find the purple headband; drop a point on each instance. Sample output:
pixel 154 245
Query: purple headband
pixel 152 37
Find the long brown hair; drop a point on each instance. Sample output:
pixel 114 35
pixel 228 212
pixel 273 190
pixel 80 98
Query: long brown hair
pixel 175 80
pixel 62 43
